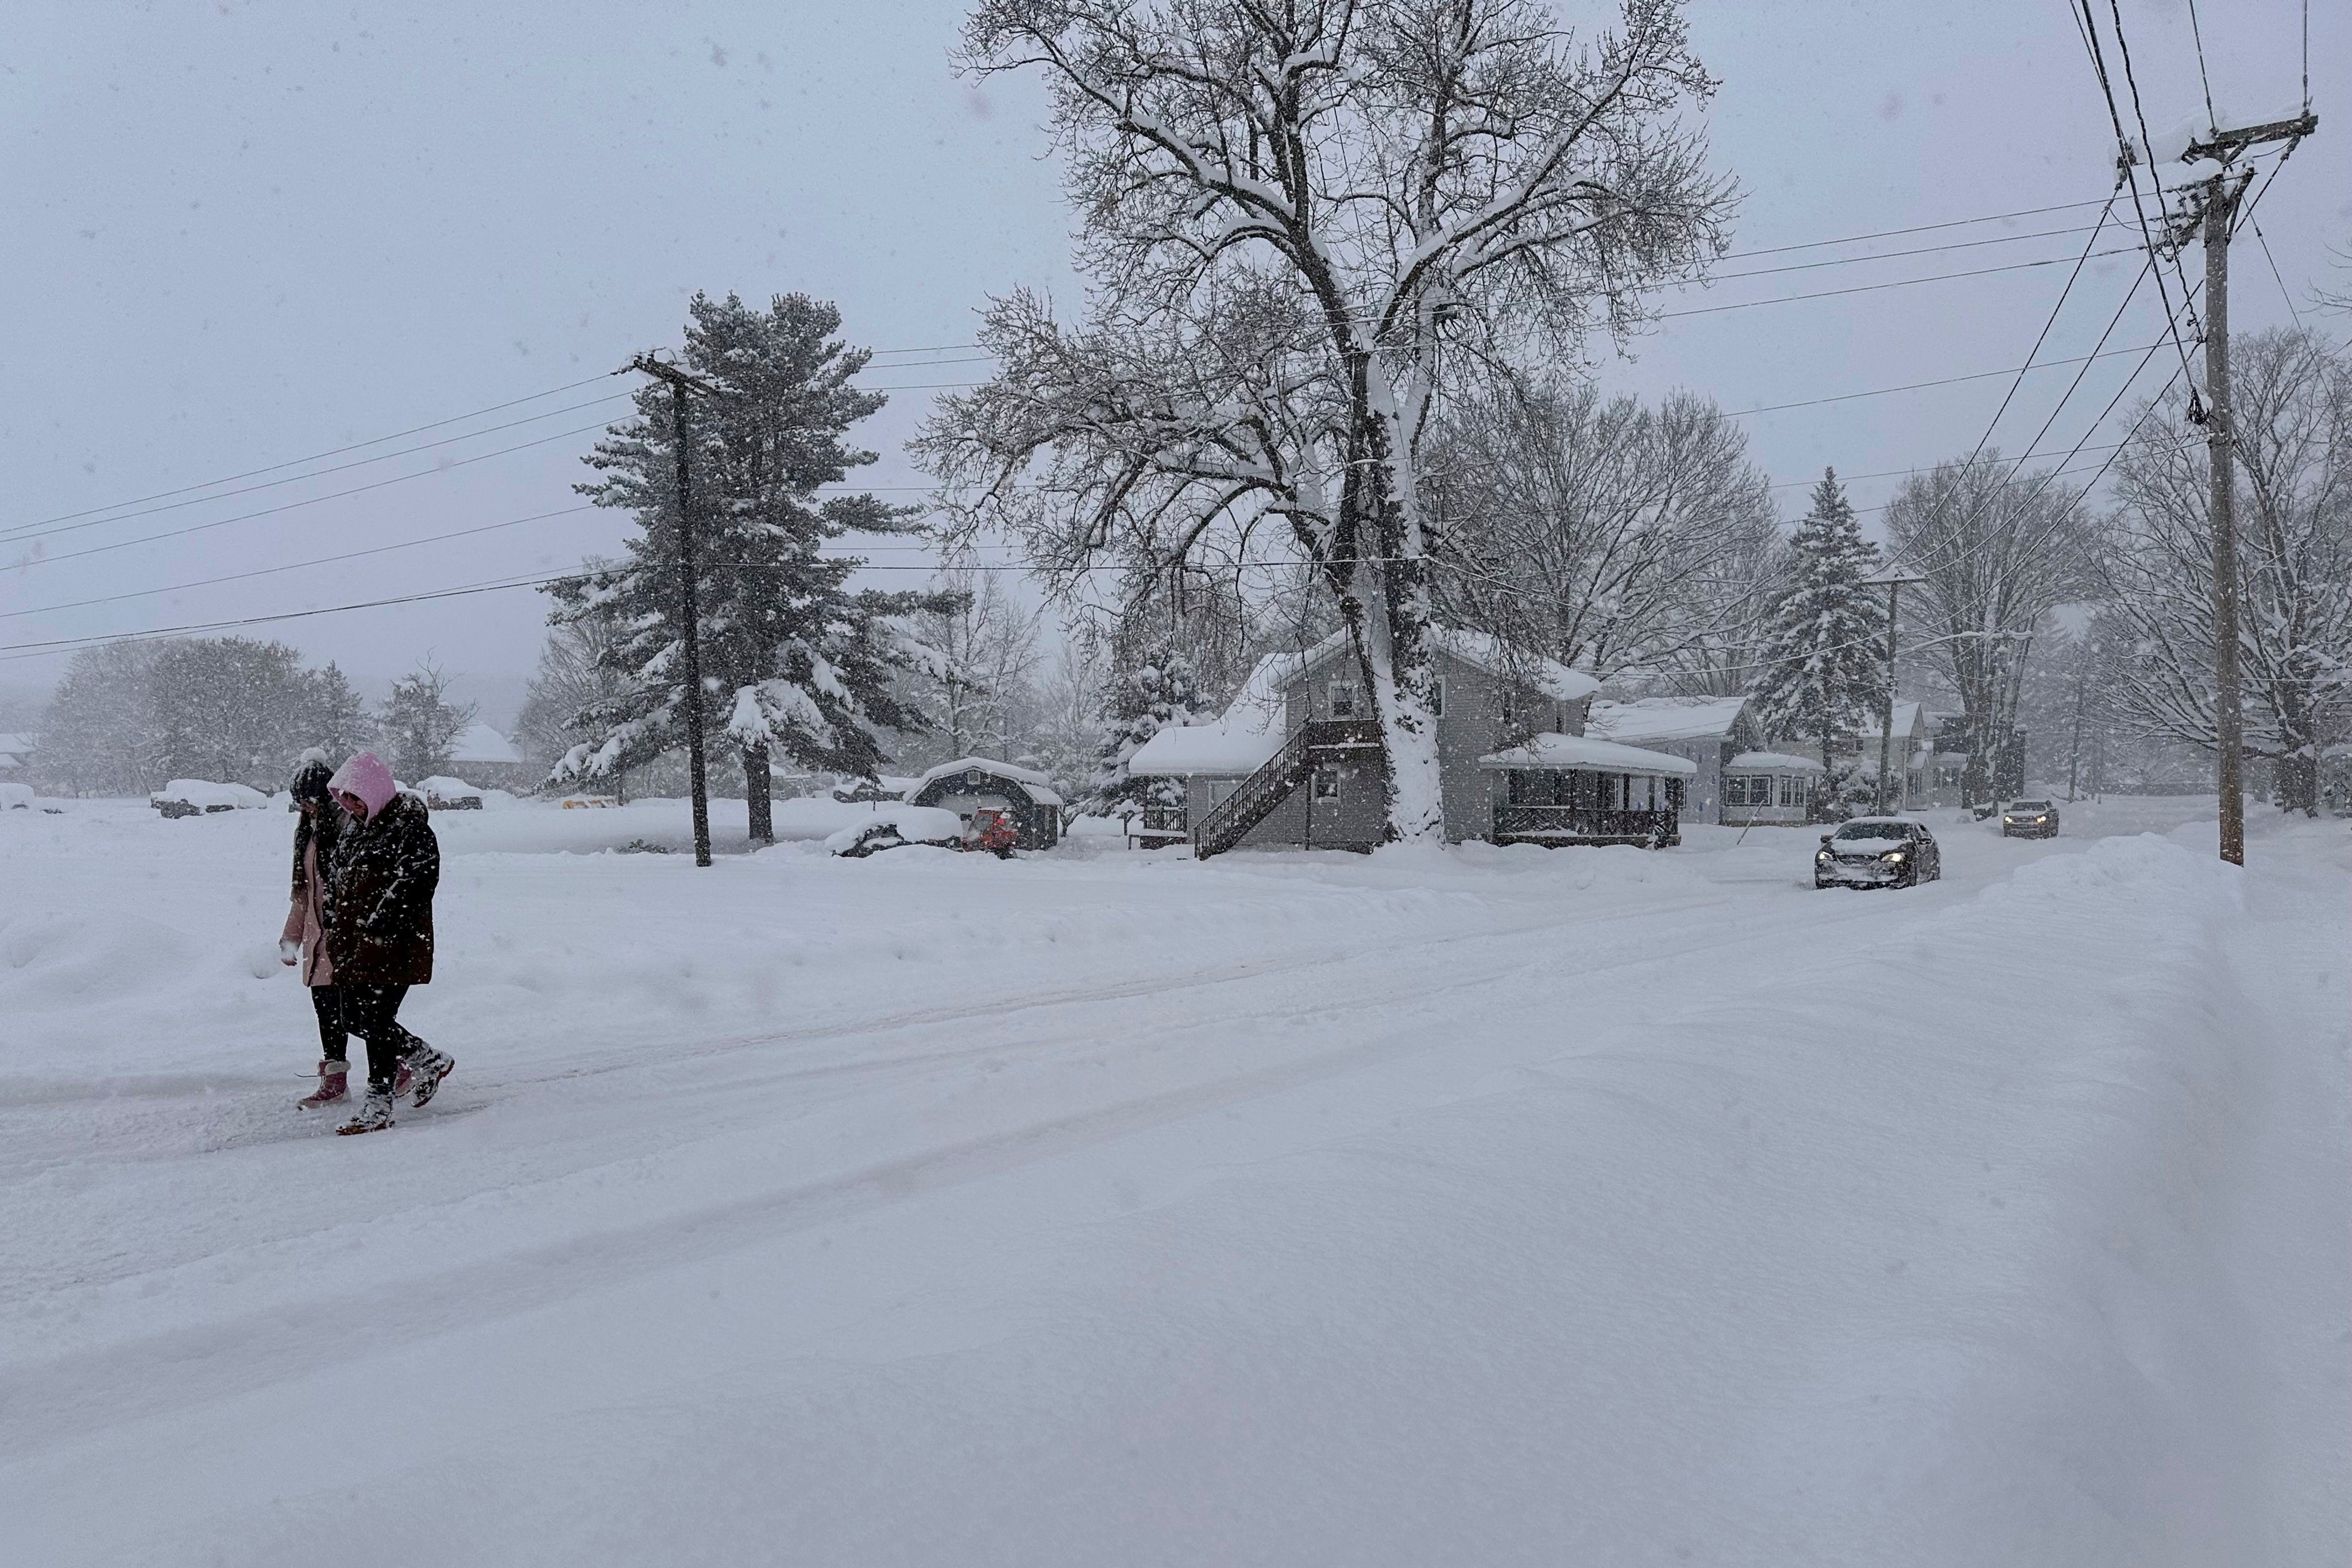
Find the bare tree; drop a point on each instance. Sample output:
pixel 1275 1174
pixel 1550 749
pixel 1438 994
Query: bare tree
pixel 1619 539
pixel 1299 219
pixel 973 694
pixel 2292 409
pixel 576 673
pixel 2000 548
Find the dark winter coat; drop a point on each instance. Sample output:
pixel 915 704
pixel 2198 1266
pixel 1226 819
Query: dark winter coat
pixel 379 903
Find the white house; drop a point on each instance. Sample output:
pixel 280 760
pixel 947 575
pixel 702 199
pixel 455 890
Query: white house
pixel 488 760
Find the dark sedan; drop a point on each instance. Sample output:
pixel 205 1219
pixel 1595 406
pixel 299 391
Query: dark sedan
pixel 1878 852
pixel 2030 819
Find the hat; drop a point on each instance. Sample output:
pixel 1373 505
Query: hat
pixel 310 775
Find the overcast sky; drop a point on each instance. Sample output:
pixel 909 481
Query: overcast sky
pixel 240 234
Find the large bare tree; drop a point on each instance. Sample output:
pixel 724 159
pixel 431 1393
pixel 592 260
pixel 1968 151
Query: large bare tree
pixel 1299 219
pixel 2292 408
pixel 2000 547
pixel 1621 539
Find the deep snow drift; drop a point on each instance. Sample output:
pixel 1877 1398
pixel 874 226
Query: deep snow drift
pixel 1521 1206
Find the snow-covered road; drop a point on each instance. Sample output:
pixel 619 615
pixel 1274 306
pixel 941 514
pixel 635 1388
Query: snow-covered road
pixel 1478 1207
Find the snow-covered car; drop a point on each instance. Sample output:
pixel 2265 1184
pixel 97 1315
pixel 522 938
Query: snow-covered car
pixel 1878 852
pixel 894 826
pixel 442 793
pixel 199 797
pixel 2030 819
pixel 15 798
pixel 882 787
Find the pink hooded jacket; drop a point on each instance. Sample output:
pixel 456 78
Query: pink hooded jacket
pixel 365 776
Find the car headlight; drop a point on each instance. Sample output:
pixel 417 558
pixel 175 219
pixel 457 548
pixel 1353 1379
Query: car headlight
pixel 1893 855
pixel 1822 857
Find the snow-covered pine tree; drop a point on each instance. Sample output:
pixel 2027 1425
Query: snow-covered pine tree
pixel 1156 688
pixel 1824 663
pixel 791 657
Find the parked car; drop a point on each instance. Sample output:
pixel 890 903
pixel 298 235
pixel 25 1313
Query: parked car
pixel 2030 819
pixel 1878 852
pixel 198 797
pixel 442 793
pixel 895 826
pixel 16 796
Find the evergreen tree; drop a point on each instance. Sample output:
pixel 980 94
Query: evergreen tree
pixel 1824 660
pixel 1147 694
pixel 421 725
pixel 791 657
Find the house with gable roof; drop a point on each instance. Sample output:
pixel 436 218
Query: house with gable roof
pixel 1296 760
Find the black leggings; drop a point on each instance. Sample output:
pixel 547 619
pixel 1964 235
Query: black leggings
pixel 368 1012
pixel 333 1038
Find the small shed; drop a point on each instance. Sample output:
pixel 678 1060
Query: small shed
pixel 488 760
pixel 970 785
pixel 1768 788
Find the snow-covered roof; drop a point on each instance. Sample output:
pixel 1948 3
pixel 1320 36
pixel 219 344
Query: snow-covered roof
pixel 1585 754
pixel 1665 719
pixel 1907 716
pixel 1549 676
pixel 1214 748
pixel 1242 739
pixel 1034 785
pixel 480 744
pixel 447 788
pixel 1772 762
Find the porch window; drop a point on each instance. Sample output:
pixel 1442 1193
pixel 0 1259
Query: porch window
pixel 1747 789
pixel 1327 782
pixel 1344 698
pixel 1792 789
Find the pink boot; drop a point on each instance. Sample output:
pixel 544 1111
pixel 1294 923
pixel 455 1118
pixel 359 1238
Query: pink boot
pixel 335 1084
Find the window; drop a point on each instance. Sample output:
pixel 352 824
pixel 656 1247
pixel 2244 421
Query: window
pixel 1343 700
pixel 1747 789
pixel 1792 789
pixel 1327 780
pixel 1437 697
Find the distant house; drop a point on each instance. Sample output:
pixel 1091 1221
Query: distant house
pixel 1761 788
pixel 488 760
pixel 1912 755
pixel 1707 732
pixel 972 784
pixel 1296 761
pixel 16 756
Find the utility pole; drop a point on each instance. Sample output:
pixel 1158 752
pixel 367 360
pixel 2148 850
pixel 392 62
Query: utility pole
pixel 2221 196
pixel 1894 586
pixel 689 610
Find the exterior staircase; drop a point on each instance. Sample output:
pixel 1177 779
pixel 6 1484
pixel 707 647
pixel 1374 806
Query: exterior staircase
pixel 1229 821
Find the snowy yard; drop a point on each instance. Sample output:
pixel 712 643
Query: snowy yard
pixel 1477 1207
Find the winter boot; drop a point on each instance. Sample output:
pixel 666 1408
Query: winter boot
pixel 374 1114
pixel 428 1068
pixel 335 1084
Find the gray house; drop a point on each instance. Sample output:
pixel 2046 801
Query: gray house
pixel 1296 760
pixel 1707 732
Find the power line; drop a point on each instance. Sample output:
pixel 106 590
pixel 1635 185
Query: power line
pixel 2291 311
pixel 1918 228
pixel 290 506
pixel 332 452
pixel 1891 254
pixel 2198 33
pixel 1922 385
pixel 1898 283
pixel 23 531
pixel 299 565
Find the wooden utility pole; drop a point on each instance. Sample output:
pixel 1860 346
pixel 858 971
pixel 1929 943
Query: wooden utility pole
pixel 2229 722
pixel 2220 196
pixel 1894 586
pixel 689 610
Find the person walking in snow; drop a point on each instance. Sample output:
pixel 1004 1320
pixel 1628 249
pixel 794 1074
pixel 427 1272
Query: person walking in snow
pixel 378 919
pixel 302 941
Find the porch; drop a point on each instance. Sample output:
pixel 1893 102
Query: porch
pixel 1561 790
